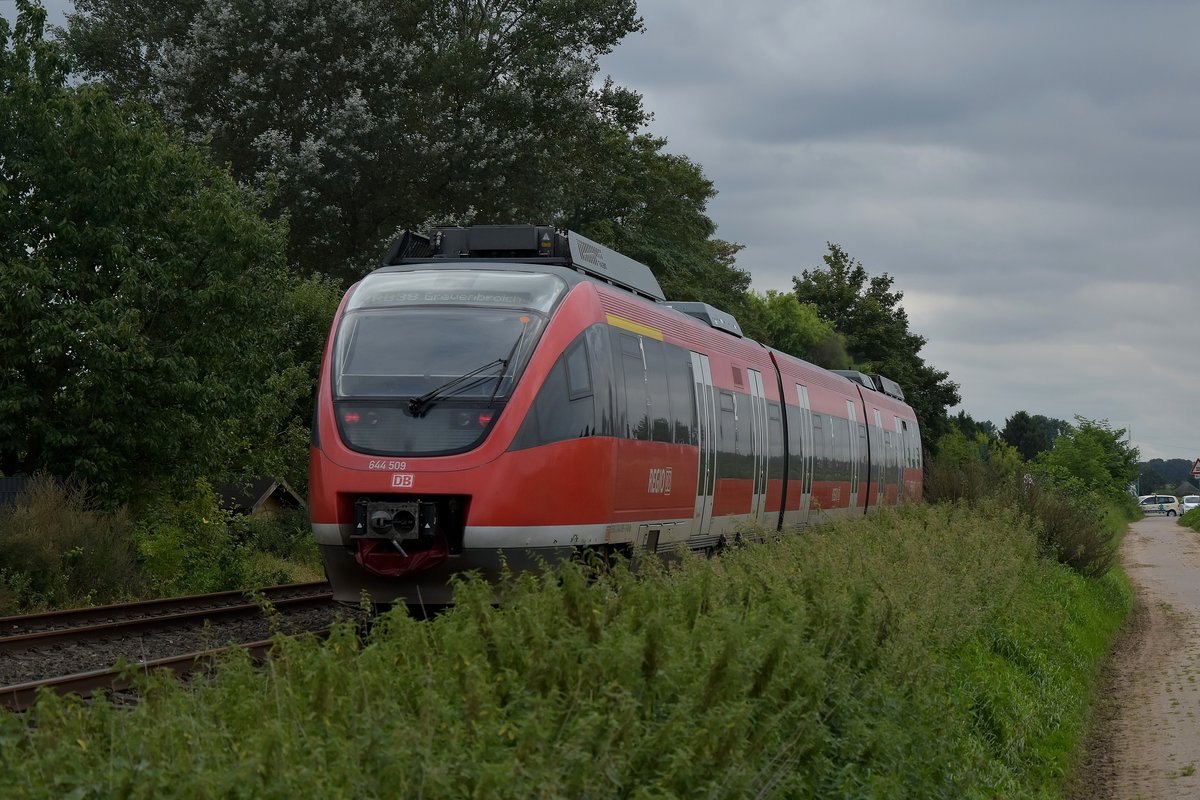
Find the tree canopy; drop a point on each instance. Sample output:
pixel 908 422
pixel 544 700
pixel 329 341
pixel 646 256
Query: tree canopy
pixel 141 285
pixel 866 311
pixel 779 320
pixel 1032 434
pixel 1094 455
pixel 360 118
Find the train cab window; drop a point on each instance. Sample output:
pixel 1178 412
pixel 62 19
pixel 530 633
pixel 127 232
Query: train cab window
pixel 565 404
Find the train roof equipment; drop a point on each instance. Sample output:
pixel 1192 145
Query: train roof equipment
pixel 708 314
pixel 527 244
pixel 873 381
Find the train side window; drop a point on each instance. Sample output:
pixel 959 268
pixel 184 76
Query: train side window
pixel 682 393
pixel 579 373
pixel 819 447
pixel 637 399
pixel 656 386
pixel 728 432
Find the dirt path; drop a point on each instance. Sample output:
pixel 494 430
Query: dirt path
pixel 1148 741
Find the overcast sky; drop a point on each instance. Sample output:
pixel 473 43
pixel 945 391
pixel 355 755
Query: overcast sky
pixel 1028 172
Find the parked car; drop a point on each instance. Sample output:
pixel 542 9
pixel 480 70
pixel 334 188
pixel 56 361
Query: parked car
pixel 1189 502
pixel 1165 504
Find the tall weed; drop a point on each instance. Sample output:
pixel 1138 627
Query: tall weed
pixel 58 549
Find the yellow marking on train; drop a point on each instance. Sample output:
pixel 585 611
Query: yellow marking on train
pixel 635 327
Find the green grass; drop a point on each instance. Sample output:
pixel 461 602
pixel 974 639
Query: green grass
pixel 1191 519
pixel 927 652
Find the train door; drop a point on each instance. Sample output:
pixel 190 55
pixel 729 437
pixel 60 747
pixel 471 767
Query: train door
pixel 758 439
pixel 901 458
pixel 881 462
pixel 852 419
pixel 706 415
pixel 806 452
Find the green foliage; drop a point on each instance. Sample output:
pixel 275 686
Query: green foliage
pixel 1073 526
pixel 185 544
pixel 970 426
pixel 139 339
pixel 650 205
pixel 190 545
pixel 361 117
pixel 866 311
pixel 1032 434
pixel 1077 522
pixel 779 320
pixel 1191 519
pixel 285 534
pixel 969 468
pixel 57 549
pixel 923 653
pixel 1093 455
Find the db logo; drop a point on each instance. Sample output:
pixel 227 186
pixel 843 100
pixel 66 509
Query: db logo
pixel 403 480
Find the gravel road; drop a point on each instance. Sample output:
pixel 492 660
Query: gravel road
pixel 1147 744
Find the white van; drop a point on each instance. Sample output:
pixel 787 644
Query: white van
pixel 1164 504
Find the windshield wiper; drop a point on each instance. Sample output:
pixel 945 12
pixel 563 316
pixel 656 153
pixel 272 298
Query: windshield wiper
pixel 418 404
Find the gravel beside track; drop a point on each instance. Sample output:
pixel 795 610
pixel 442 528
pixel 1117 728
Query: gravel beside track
pixel 83 656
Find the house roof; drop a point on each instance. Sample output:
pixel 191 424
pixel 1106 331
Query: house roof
pixel 250 495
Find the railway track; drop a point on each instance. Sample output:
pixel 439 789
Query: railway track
pixel 73 650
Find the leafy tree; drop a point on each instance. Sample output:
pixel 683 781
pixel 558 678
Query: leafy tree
pixel 1032 434
pixel 971 427
pixel 1170 472
pixel 1150 480
pixel 138 341
pixel 1094 454
pixel 650 205
pixel 364 116
pixel 868 314
pixel 778 320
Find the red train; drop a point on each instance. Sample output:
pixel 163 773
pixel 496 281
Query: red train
pixel 520 393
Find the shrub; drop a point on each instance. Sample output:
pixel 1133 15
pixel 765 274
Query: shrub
pixel 58 549
pixel 1072 527
pixel 186 546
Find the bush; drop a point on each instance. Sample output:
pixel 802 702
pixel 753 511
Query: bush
pixel 57 549
pixel 186 546
pixel 1078 529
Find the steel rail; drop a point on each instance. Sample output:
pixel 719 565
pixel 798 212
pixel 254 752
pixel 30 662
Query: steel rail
pixel 55 636
pixel 71 617
pixel 21 697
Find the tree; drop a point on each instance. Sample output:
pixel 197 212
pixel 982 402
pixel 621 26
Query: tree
pixel 866 311
pixel 1094 454
pixel 1032 434
pixel 779 320
pixel 651 206
pixel 971 427
pixel 142 288
pixel 364 116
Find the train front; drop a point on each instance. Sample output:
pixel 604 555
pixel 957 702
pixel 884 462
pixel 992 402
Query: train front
pixel 411 422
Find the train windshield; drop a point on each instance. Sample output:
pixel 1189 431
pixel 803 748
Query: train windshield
pixel 423 361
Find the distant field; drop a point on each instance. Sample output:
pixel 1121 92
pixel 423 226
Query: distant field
pixel 927 652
